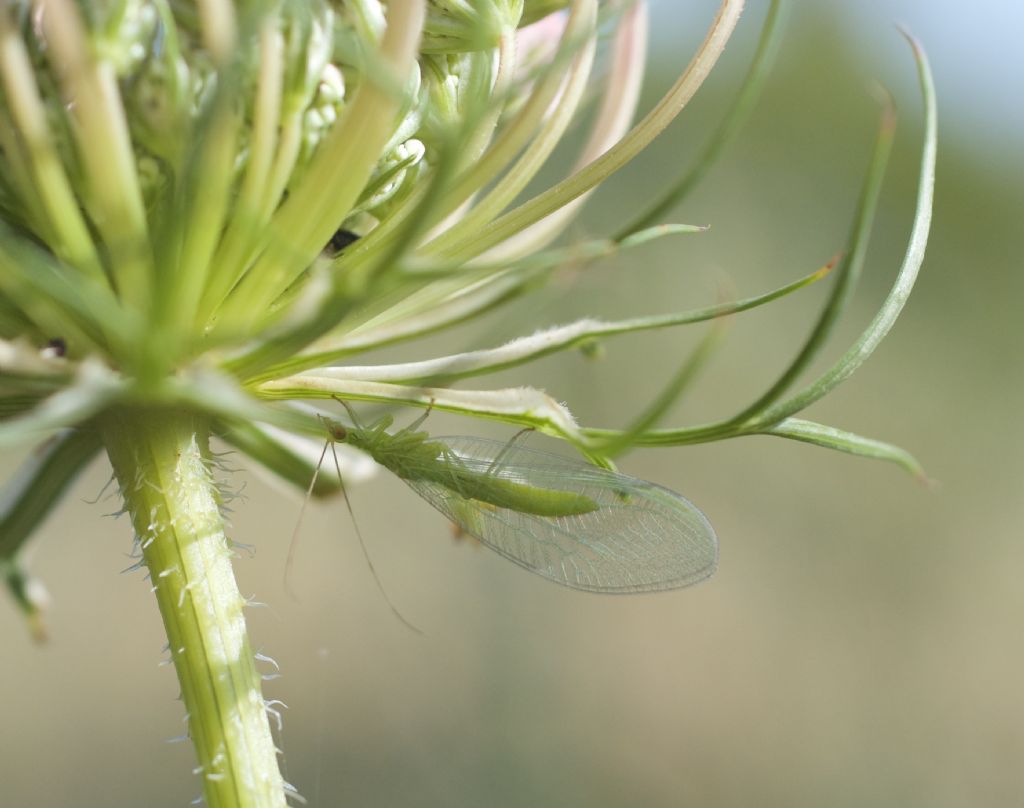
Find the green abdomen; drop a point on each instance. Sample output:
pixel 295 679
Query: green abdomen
pixel 425 460
pixel 521 497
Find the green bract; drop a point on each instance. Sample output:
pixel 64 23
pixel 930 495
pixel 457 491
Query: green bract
pixel 207 209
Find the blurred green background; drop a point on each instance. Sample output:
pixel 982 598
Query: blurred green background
pixel 861 643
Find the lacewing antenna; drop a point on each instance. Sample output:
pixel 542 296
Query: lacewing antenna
pixel 366 553
pixel 337 433
pixel 290 561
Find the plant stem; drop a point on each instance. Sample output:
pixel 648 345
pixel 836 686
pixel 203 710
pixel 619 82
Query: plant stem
pixel 162 463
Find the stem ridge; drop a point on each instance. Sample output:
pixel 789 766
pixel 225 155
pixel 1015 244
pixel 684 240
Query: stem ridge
pixel 162 462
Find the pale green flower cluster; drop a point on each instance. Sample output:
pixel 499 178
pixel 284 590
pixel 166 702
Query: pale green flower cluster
pixel 208 208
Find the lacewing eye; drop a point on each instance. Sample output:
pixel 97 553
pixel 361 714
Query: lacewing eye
pixel 57 347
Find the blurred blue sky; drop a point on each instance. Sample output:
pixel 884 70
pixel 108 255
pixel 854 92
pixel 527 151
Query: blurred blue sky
pixel 974 48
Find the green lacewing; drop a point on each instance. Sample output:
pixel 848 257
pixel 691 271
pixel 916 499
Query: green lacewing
pixel 564 519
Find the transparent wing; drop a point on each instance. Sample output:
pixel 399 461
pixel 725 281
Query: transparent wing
pixel 641 537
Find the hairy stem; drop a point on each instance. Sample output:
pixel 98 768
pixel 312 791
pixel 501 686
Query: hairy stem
pixel 161 459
